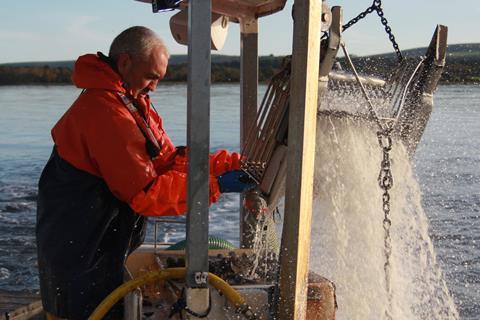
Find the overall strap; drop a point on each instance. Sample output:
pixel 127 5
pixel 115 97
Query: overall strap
pixel 153 146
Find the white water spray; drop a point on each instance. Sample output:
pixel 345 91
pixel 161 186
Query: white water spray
pixel 348 235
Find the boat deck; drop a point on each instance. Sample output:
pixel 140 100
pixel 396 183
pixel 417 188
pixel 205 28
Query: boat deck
pixel 19 301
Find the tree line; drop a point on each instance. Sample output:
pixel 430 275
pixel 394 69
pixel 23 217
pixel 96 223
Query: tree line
pixel 459 69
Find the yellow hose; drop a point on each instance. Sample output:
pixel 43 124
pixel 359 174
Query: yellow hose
pixel 166 274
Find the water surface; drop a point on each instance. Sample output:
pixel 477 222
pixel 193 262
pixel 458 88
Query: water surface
pixel 446 164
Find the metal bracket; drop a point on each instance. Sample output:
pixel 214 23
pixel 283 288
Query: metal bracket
pixel 201 278
pixel 326 17
pixel 334 39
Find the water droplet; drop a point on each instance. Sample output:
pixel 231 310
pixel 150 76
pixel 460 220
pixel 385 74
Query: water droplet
pixel 4 273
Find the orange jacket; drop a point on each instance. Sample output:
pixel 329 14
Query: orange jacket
pixel 99 135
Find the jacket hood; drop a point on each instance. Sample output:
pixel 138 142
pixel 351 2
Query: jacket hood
pixel 91 72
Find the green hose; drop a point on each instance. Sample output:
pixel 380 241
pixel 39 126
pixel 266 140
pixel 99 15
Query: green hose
pixel 213 243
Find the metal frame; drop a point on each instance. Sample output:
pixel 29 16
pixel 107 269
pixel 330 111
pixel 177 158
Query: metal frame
pixel 302 123
pixel 198 141
pixel 419 102
pixel 305 67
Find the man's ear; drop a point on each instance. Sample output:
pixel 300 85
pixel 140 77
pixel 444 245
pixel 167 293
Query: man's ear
pixel 124 63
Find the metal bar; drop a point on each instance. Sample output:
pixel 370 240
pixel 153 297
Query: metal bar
pixel 248 102
pixel 274 113
pixel 280 105
pixel 277 90
pixel 294 255
pixel 253 141
pixel 261 114
pixel 198 141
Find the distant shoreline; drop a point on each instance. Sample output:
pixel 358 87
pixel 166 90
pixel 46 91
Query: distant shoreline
pixel 462 67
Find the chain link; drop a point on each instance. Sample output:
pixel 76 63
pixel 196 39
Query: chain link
pixel 385 181
pixel 359 17
pixel 377 6
pixel 385 177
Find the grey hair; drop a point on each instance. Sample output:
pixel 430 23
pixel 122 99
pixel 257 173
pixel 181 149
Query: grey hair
pixel 137 41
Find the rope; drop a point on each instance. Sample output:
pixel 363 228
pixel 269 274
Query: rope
pixel 371 109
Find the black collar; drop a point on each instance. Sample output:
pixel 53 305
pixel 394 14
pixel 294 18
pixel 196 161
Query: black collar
pixel 108 61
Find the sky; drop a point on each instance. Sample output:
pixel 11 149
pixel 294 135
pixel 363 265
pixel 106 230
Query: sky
pixel 53 30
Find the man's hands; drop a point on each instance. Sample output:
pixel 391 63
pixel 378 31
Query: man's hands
pixel 235 181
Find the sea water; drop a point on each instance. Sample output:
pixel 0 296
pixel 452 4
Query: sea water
pixel 446 167
pixel 348 247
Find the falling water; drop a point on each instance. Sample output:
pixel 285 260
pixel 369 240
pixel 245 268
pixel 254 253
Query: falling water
pixel 265 249
pixel 348 235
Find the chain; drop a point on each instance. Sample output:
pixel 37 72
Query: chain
pixel 377 6
pixel 385 181
pixel 360 16
pixel 388 30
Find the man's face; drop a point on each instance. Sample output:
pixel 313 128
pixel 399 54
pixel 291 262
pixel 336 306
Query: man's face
pixel 142 75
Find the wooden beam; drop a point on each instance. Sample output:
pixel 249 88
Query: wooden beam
pixel 295 251
pixel 248 106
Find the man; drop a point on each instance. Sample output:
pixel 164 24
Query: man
pixel 112 165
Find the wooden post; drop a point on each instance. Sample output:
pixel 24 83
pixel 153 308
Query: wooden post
pixel 248 105
pixel 300 162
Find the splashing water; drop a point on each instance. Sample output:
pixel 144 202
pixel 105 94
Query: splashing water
pixel 265 249
pixel 348 235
